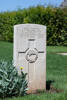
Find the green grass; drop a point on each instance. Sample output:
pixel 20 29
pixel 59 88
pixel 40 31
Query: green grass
pixel 6 50
pixel 56 72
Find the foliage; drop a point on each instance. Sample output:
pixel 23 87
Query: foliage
pixel 54 18
pixel 56 71
pixel 11 84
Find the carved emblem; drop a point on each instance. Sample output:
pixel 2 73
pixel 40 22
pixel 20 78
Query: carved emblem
pixel 31 56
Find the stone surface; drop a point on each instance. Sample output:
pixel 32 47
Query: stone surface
pixel 64 4
pixel 65 54
pixel 30 52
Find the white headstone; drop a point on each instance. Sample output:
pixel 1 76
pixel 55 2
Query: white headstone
pixel 30 53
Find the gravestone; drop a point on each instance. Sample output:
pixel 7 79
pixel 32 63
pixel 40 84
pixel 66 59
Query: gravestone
pixel 63 4
pixel 30 53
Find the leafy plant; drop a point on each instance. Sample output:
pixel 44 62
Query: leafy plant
pixel 11 84
pixel 54 18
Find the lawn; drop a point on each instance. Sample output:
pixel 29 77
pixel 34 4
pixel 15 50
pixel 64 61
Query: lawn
pixel 56 73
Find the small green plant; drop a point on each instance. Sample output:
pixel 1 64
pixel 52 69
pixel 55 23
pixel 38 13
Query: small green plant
pixel 11 84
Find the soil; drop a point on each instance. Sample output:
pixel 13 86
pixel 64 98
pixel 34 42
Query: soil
pixel 54 90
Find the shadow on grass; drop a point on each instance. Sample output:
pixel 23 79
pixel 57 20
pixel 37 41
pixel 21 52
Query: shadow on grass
pixel 50 88
pixel 48 84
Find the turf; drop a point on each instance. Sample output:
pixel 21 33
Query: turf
pixel 6 51
pixel 56 73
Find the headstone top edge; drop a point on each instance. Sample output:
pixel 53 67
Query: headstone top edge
pixel 29 25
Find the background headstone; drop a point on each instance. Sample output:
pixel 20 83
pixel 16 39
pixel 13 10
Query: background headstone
pixel 30 53
pixel 64 4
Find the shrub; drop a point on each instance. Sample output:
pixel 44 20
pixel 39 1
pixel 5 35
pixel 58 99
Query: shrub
pixel 11 84
pixel 54 18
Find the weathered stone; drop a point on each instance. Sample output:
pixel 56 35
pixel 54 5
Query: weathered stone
pixel 30 52
pixel 64 4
